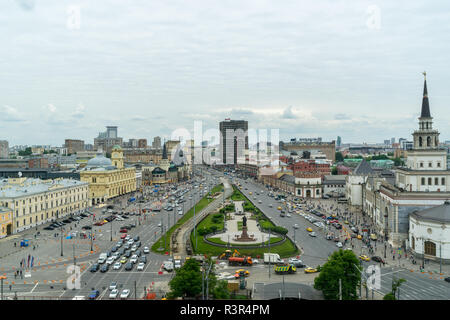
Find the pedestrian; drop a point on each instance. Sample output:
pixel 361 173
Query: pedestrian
pixel 14 244
pixel 10 287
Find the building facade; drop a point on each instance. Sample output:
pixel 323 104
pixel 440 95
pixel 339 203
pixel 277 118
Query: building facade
pixel 108 178
pixel 4 149
pixel 233 141
pixel 34 201
pixel 73 146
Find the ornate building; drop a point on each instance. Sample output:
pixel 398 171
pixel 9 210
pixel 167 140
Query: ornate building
pixel 165 171
pixel 423 183
pixel 108 178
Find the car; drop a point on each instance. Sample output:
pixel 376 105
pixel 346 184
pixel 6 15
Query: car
pixel 364 257
pixel 121 251
pixel 134 259
pixel 143 259
pixel 109 261
pixel 237 273
pixel 140 266
pixel 310 270
pixel 309 229
pixel 146 250
pixel 296 226
pixel 123 260
pixel 339 244
pixel 95 267
pixel 127 247
pixel 138 253
pixel 104 268
pixel 123 231
pixel 447 279
pixel 113 285
pixel 131 241
pixel 133 248
pixel 136 238
pixel 296 263
pixel 312 234
pixel 123 236
pixel 117 266
pixel 49 228
pixel 125 293
pixel 113 294
pixel 129 266
pixel 94 294
pixel 119 244
pixel 86 228
pixel 377 259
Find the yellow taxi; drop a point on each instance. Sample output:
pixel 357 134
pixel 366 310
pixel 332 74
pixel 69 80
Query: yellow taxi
pixel 346 221
pixel 364 257
pixel 310 270
pixel 279 208
pixel 373 236
pixel 237 272
pixel 250 193
pixel 333 215
pixel 359 236
pixel 309 229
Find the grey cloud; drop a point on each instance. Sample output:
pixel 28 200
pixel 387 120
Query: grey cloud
pixel 27 5
pixel 288 114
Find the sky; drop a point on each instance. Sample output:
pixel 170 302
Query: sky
pixel 69 68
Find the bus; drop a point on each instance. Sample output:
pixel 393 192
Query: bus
pixel 342 200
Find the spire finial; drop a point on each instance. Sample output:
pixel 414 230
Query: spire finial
pixel 424 75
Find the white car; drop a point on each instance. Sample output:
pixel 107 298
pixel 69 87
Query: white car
pixel 113 286
pixel 339 245
pixel 130 241
pixel 117 266
pixel 134 258
pixel 125 293
pixel 109 261
pixel 180 212
pixel 140 266
pixel 146 250
pixel 295 226
pixel 312 234
pixel 133 248
pixel 113 294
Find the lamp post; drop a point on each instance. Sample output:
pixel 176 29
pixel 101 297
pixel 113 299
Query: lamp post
pixel 2 278
pixel 61 241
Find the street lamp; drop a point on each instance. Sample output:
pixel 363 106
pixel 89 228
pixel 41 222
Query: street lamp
pixel 61 241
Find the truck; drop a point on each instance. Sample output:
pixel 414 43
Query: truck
pixel 273 258
pixel 285 269
pixel 102 258
pixel 168 266
pixel 240 261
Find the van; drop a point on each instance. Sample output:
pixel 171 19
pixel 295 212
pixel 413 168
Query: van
pixel 102 258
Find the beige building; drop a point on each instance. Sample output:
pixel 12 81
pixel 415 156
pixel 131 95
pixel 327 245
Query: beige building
pixel 108 178
pixel 35 201
pixel 5 222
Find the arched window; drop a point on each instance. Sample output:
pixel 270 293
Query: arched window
pixel 430 181
pixel 428 141
pixel 436 181
pixel 420 141
pixel 430 248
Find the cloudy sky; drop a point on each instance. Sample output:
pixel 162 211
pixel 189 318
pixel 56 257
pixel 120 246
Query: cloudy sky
pixel 309 68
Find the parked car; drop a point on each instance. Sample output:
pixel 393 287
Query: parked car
pixel 140 266
pixel 125 293
pixel 104 268
pixel 95 267
pixel 129 266
pixel 94 294
pixel 117 266
pixel 113 294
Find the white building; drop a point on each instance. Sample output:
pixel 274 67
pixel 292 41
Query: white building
pixel 429 233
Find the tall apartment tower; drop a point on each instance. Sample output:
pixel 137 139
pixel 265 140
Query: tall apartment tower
pixel 233 141
pixel 111 132
pixel 156 143
pixel 4 149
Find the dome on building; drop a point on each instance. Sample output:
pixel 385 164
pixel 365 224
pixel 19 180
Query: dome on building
pixel 117 147
pixel 99 161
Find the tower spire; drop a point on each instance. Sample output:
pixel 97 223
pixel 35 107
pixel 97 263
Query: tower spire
pixel 425 104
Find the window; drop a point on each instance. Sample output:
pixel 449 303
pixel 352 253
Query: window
pixel 428 141
pixel 436 181
pixel 430 164
pixel 430 181
pixel 443 181
pixel 430 248
pixel 413 243
pixel 421 164
pixel 438 164
pixel 423 181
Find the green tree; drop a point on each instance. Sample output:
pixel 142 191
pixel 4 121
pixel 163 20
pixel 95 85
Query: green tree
pixel 389 296
pixel 334 171
pixel 187 282
pixel 396 283
pixel 398 162
pixel 339 157
pixel 343 265
pixel 26 152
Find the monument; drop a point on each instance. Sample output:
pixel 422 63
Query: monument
pixel 244 235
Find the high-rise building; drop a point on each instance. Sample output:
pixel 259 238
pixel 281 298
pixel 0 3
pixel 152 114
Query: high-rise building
pixel 233 141
pixel 142 143
pixel 392 140
pixel 73 146
pixel 106 140
pixel 4 149
pixel 156 143
pixel 338 141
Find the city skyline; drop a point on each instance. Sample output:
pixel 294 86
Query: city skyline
pixel 324 69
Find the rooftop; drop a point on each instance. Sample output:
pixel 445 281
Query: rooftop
pixel 19 187
pixel 436 214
